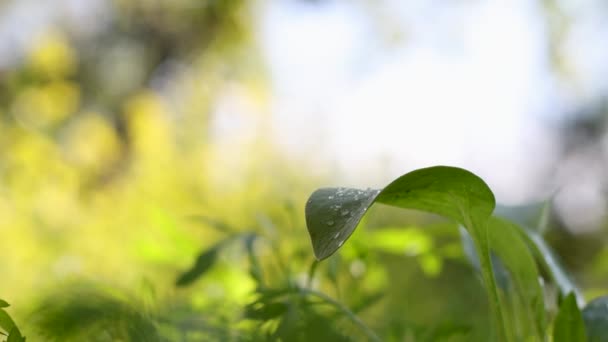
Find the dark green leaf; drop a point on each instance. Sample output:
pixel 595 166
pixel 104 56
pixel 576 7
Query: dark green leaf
pixel 15 335
pixel 595 316
pixel 6 322
pixel 203 263
pixel 255 270
pixel 506 242
pixel 569 325
pixel 332 214
pixel 3 304
pixel 266 311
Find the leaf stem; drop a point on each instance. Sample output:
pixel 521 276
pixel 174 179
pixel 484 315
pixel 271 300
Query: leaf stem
pixel 487 271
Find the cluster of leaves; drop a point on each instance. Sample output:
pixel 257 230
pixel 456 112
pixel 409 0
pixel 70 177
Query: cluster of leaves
pixel 505 251
pixel 322 303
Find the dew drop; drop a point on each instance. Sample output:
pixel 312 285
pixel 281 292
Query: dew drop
pixel 340 243
pixel 330 197
pixel 330 223
pixel 344 212
pixel 337 234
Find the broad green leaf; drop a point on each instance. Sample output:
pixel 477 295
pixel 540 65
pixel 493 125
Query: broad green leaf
pixel 506 242
pixel 6 322
pixel 569 325
pixel 3 304
pixel 595 315
pixel 15 335
pixel 332 214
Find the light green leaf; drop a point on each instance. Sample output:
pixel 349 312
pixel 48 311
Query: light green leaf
pixel 569 325
pixel 332 214
pixel 595 315
pixel 506 242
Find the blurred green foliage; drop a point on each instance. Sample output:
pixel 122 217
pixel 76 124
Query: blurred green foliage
pixel 123 218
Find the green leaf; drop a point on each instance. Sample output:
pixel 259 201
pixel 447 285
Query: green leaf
pixel 468 246
pixel 532 220
pixel 266 311
pixel 569 325
pixel 255 269
pixel 15 335
pixel 332 214
pixel 595 315
pixel 6 322
pixel 506 242
pixel 203 263
pixel 3 304
pixel 551 264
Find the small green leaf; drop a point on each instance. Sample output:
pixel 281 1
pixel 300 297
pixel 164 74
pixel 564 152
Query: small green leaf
pixel 3 304
pixel 569 325
pixel 203 263
pixel 255 270
pixel 595 315
pixel 332 214
pixel 6 322
pixel 15 335
pixel 266 311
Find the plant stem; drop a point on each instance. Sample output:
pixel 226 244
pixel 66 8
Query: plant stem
pixel 487 272
pixel 341 307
